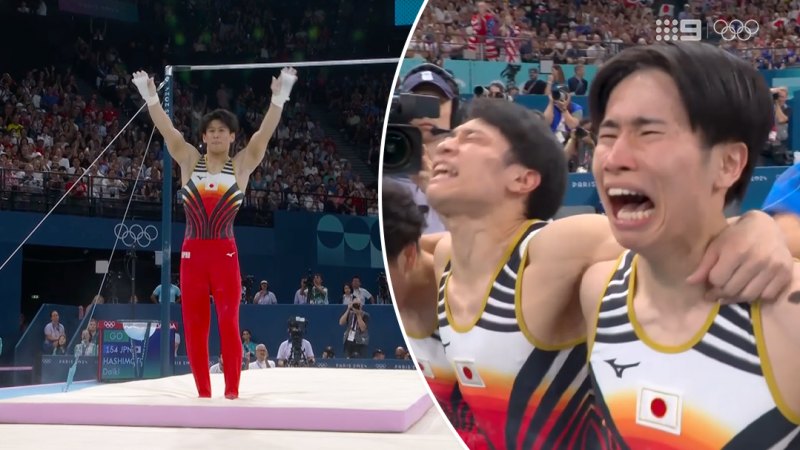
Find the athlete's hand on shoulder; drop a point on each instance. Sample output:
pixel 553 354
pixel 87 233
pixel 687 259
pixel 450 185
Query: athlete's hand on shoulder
pixel 749 261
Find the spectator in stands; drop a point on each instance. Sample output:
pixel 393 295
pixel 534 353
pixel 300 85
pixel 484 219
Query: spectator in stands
pixel 360 292
pixel 401 353
pixel 378 354
pixel 328 353
pixel 534 86
pixel 347 294
pixel 248 346
pixel 577 84
pixel 218 367
pixel 177 343
pixel 261 361
pixel 60 347
pixel 53 331
pixel 319 293
pixel 174 292
pixel 356 332
pixel 86 347
pixel 301 295
pixel 264 296
pixel 91 327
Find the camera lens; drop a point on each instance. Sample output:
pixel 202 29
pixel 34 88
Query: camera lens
pixel 397 150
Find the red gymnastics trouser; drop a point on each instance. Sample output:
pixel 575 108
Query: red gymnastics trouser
pixel 211 266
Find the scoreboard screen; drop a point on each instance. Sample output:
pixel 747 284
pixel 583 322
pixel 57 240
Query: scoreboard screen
pixel 131 349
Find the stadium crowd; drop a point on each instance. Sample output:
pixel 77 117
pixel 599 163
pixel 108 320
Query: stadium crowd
pixel 590 31
pixel 587 33
pixel 56 118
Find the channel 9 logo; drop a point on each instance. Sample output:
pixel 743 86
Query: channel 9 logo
pixel 688 30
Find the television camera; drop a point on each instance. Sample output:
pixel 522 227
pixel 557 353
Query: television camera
pixel 402 152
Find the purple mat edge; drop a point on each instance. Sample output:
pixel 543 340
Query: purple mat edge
pixel 236 417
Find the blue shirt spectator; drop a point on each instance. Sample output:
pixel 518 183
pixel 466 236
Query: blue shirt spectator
pixel 174 293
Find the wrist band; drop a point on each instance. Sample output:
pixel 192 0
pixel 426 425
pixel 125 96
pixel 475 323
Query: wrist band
pixel 278 100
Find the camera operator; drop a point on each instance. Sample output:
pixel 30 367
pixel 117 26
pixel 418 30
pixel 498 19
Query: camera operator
pixel 563 115
pixel 285 357
pixel 431 83
pixel 356 335
pixel 580 148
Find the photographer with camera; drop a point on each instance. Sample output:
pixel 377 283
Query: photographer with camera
pixel 580 148
pixel 561 113
pixel 356 335
pixel 295 351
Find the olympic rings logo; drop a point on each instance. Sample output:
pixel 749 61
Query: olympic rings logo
pixel 736 29
pixel 136 234
pixel 109 324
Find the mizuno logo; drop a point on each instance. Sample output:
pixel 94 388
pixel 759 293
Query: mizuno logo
pixel 230 254
pixel 619 368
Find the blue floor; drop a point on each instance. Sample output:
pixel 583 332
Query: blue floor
pixel 22 391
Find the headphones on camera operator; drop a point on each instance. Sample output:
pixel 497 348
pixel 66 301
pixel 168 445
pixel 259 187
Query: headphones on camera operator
pixel 458 113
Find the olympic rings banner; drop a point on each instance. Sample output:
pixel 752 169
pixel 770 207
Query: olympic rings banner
pixel 135 235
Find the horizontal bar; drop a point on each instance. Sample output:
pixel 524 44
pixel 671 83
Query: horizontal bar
pixel 345 62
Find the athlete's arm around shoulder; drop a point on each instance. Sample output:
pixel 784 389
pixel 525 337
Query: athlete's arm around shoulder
pixel 558 256
pixel 574 243
pixel 562 251
pixel 780 323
